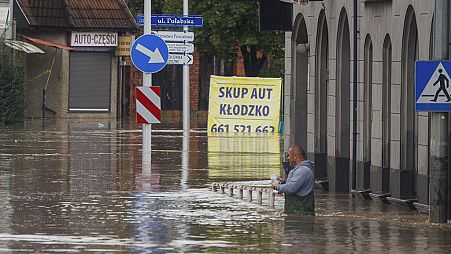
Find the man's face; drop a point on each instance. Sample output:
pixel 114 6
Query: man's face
pixel 291 157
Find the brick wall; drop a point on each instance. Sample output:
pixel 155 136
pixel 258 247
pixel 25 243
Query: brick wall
pixel 194 82
pixel 240 65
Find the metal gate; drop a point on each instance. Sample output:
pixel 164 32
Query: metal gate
pixel 90 82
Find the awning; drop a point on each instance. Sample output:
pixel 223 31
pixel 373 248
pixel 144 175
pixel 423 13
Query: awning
pixel 23 46
pixel 47 43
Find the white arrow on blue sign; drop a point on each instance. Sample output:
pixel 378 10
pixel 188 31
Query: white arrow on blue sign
pixel 149 53
pixel 432 86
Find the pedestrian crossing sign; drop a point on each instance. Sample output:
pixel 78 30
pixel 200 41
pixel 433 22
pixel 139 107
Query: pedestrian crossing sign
pixel 432 86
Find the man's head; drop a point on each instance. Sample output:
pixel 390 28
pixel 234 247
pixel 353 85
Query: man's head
pixel 295 154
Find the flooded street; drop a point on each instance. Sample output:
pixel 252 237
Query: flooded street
pixel 79 186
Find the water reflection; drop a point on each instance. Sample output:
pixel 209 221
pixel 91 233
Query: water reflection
pixel 80 186
pixel 243 156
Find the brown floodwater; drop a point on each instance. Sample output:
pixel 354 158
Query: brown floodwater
pixel 79 186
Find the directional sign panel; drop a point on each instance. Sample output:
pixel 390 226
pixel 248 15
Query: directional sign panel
pixel 177 20
pixel 175 47
pixel 149 53
pixel 175 35
pixel 432 86
pixel 180 59
pixel 139 19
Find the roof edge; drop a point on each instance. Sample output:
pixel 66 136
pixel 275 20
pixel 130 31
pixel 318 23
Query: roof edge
pixel 69 14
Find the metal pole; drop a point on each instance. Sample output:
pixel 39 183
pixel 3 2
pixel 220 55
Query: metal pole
pixel 438 192
pixel 186 102
pixel 10 22
pixel 354 104
pixel 147 81
pixel 119 88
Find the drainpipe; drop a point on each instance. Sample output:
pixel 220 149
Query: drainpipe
pixel 354 104
pixel 438 185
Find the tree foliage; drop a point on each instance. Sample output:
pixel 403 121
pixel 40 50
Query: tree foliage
pixel 12 87
pixel 229 27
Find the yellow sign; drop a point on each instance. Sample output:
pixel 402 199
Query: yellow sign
pixel 242 104
pixel 124 45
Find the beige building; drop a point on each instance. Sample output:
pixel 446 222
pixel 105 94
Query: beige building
pixel 392 138
pixel 77 74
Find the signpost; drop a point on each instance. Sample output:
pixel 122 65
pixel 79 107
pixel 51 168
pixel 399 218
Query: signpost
pixel 180 59
pixel 150 53
pixel 184 48
pixel 139 19
pixel 172 20
pixel 178 47
pixel 175 35
pixel 177 20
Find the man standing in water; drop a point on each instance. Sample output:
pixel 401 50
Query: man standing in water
pixel 298 188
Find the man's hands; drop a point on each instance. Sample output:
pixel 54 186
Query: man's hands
pixel 275 182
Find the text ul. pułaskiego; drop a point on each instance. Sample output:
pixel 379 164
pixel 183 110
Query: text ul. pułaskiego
pixel 169 20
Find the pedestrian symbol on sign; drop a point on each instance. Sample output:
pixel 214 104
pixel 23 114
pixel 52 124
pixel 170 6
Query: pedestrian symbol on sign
pixel 442 79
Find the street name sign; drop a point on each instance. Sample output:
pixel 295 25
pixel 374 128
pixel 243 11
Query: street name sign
pixel 432 86
pixel 148 104
pixel 180 59
pixel 177 20
pixel 178 36
pixel 149 53
pixel 180 47
pixel 139 19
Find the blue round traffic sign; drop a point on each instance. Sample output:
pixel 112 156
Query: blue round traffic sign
pixel 149 53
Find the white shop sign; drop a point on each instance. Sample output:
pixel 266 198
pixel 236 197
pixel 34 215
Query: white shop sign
pixel 93 39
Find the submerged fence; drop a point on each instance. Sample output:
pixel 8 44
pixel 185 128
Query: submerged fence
pixel 248 191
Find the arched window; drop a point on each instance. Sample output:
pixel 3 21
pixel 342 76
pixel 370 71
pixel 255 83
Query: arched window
pixel 367 93
pixel 386 112
pixel 321 94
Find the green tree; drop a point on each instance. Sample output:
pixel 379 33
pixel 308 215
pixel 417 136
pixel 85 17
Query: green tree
pixel 12 87
pixel 229 27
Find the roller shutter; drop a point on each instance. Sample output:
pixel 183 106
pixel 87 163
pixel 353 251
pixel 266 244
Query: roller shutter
pixel 90 82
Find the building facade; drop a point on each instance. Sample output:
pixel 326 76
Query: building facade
pixel 77 76
pixel 392 138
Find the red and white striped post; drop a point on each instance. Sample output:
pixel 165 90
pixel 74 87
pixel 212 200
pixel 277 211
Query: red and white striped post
pixel 148 105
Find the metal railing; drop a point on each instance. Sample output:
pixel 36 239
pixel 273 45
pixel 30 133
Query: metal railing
pixel 248 191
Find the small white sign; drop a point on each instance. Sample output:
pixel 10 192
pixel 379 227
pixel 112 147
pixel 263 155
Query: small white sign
pixel 180 59
pixel 93 39
pixel 175 47
pixel 180 36
pixel 4 16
